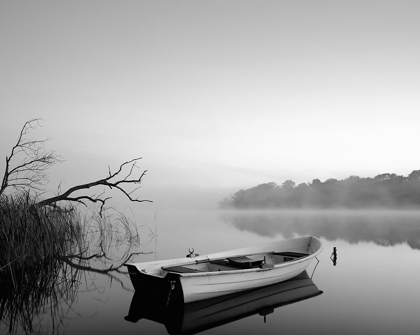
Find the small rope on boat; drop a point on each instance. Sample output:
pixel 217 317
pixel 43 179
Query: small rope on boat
pixel 315 267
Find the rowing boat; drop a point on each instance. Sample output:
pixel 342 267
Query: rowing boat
pixel 213 275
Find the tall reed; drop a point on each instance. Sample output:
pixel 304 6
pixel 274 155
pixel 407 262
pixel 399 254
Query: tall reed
pixel 33 237
pixel 43 253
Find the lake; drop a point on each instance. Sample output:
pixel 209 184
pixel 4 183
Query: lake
pixel 370 286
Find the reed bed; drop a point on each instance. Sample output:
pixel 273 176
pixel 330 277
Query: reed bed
pixel 35 237
pixel 32 237
pixel 45 252
pixel 32 276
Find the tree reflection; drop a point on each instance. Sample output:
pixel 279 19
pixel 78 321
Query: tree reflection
pixel 37 297
pixel 42 290
pixel 386 228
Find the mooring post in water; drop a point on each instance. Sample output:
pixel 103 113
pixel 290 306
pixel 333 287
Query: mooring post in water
pixel 333 256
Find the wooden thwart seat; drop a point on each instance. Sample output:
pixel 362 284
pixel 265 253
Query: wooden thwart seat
pixel 291 254
pixel 180 269
pixel 244 262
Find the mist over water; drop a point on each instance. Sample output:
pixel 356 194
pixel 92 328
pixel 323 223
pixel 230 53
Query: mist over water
pixel 382 227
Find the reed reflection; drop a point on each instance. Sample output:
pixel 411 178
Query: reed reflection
pixel 37 295
pixel 386 228
pixel 37 299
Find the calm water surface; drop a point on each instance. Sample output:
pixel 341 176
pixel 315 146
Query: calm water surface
pixel 372 287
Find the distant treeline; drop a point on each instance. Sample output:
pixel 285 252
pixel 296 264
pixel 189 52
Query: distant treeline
pixel 386 190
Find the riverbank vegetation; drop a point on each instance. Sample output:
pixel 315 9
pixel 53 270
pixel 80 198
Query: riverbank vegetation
pixel 43 236
pixel 45 254
pixel 388 190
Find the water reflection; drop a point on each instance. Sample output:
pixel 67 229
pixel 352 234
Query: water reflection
pixel 40 296
pixel 29 296
pixel 41 300
pixel 180 318
pixel 385 228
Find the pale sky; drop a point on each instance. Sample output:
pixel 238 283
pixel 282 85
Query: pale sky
pixel 214 95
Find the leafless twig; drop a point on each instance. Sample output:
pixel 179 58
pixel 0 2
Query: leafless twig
pixel 31 172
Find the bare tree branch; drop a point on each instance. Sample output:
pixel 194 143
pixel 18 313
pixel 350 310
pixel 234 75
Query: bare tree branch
pixel 117 184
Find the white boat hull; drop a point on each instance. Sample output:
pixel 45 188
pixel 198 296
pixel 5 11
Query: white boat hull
pixel 204 287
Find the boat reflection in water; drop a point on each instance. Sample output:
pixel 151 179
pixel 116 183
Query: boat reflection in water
pixel 191 318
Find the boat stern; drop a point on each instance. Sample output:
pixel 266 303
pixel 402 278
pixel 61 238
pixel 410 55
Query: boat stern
pixel 169 285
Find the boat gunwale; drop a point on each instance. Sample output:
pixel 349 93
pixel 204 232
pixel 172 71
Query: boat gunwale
pixel 236 271
pixel 207 258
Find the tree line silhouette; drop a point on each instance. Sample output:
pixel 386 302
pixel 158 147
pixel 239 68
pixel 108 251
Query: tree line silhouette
pixel 387 190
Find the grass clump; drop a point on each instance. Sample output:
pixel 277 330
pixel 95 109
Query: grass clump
pixel 33 237
pixel 46 251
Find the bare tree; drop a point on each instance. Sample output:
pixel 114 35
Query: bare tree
pixel 31 172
